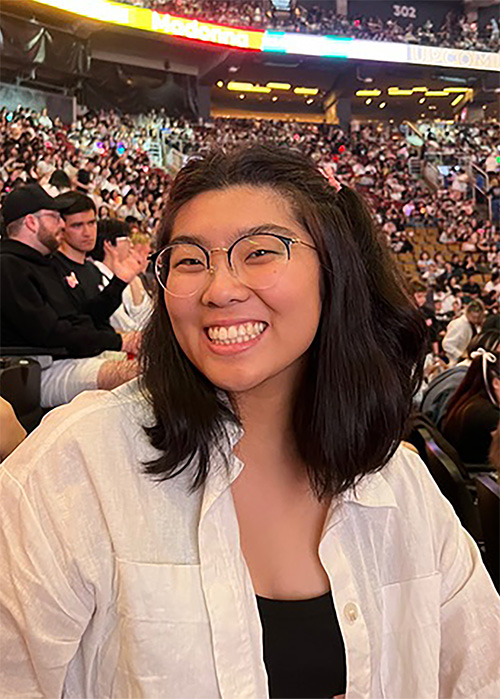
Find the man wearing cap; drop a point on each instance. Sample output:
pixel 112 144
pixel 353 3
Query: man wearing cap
pixel 38 312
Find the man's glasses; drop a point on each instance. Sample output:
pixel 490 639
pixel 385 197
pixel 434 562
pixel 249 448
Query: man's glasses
pixel 53 214
pixel 257 261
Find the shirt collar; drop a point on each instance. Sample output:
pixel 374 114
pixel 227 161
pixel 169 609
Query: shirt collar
pixel 373 490
pixel 104 269
pixel 225 466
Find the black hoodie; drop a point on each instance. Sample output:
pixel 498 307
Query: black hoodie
pixel 36 309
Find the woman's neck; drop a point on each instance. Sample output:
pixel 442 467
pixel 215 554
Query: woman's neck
pixel 266 415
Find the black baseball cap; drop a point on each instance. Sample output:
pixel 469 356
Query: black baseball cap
pixel 27 200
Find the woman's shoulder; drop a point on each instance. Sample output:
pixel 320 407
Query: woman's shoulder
pixel 99 408
pixel 405 501
pixel 96 428
pixel 407 484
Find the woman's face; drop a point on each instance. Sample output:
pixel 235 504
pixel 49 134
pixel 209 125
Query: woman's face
pixel 290 310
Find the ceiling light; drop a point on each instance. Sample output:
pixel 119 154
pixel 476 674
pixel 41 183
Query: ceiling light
pixel 420 89
pixel 421 100
pixel 220 83
pixel 369 100
pixel 242 97
pixel 274 99
pixel 368 93
pixel 310 101
pixel 306 90
pixel 436 93
pixel 457 100
pixel 246 87
pixel 456 89
pixel 395 91
pixel 382 105
pixel 278 86
pixel 432 106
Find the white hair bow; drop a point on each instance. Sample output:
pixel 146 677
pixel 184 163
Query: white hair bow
pixel 481 352
pixel 486 357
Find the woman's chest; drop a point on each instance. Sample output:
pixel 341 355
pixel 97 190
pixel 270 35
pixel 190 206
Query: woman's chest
pixel 280 532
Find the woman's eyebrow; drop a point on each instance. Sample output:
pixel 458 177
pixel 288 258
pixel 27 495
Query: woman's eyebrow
pixel 253 230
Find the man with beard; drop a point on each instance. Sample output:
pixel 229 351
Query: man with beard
pixel 38 312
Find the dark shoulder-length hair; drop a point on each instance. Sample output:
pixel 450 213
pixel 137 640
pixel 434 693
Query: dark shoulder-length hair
pixel 477 382
pixel 365 362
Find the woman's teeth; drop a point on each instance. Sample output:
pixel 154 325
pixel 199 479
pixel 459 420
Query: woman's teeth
pixel 235 334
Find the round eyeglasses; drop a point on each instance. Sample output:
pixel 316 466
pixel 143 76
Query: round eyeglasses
pixel 257 261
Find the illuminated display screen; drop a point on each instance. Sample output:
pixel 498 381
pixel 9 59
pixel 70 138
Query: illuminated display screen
pixel 383 51
pixel 147 20
pixel 275 41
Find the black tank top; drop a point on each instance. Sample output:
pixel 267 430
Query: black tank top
pixel 304 650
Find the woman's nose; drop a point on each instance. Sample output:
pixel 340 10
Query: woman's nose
pixel 222 285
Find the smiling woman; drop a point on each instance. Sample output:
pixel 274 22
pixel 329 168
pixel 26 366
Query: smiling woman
pixel 243 521
pixel 338 326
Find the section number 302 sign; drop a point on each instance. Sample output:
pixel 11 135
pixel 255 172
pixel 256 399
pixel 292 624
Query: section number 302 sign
pixel 406 11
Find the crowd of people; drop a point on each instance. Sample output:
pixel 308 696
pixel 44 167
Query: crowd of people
pixel 455 31
pixel 101 170
pixel 103 154
pixel 476 140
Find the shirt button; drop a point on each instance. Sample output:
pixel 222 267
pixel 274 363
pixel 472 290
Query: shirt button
pixel 351 612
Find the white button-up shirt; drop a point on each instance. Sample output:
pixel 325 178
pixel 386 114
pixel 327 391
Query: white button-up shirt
pixel 114 585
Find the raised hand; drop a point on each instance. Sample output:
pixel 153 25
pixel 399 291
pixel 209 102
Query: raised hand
pixel 128 268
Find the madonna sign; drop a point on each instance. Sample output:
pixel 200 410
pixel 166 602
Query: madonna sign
pixel 204 31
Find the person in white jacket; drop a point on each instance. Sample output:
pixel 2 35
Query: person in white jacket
pixel 461 330
pixel 243 522
pixel 114 243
